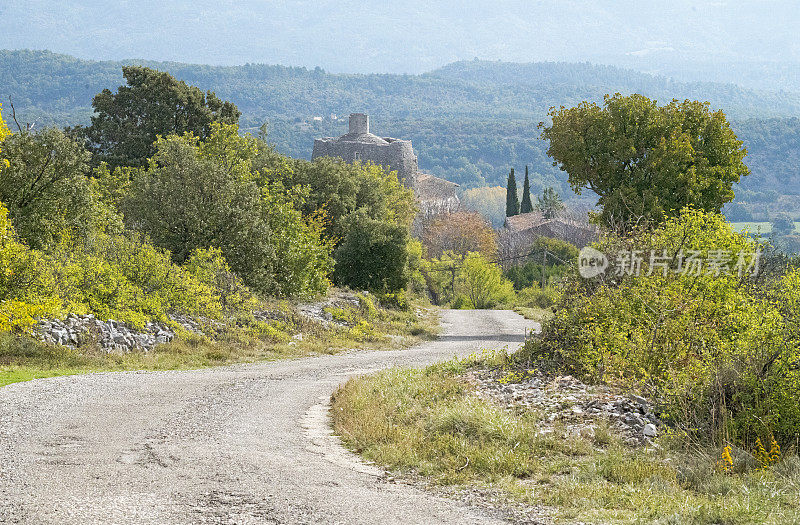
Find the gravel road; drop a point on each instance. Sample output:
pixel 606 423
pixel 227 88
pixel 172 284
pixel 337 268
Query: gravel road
pixel 240 444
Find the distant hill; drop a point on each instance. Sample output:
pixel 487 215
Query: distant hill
pixel 414 36
pixel 470 121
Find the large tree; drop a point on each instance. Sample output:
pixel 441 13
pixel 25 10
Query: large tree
pixel 460 233
pixel 205 194
pixel 512 200
pixel 44 184
pixel 647 161
pixel 126 123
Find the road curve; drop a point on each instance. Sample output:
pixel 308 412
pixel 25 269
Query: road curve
pixel 240 444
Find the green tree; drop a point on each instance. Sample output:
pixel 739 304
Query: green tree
pixel 153 103
pixel 373 255
pixel 512 200
pixel 482 283
pixel 549 203
pixel 782 224
pixel 339 188
pixel 46 188
pixel 204 194
pixel 526 206
pixel 646 161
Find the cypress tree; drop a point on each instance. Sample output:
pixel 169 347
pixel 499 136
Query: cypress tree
pixel 526 206
pixel 512 200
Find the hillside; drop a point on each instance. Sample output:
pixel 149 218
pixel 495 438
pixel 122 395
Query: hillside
pixel 411 36
pixel 470 121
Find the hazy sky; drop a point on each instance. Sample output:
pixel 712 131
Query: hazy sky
pixel 405 35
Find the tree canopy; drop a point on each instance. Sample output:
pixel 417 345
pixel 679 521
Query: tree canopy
pixel 647 161
pixel 153 103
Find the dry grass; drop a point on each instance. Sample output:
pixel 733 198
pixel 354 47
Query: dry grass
pixel 426 422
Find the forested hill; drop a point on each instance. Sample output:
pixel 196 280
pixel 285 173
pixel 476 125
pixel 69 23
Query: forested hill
pixel 470 121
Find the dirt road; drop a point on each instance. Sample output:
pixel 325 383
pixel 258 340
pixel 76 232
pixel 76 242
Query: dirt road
pixel 241 444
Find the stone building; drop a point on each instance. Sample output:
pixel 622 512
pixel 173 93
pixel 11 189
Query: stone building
pixel 521 231
pixel 434 195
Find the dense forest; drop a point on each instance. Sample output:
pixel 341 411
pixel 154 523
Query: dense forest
pixel 470 121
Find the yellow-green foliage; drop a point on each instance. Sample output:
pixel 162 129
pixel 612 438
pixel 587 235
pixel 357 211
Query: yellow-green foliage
pixel 25 286
pixel 112 276
pixel 719 350
pixel 469 281
pixel 208 266
pixel 482 284
pixel 127 279
pixel 4 132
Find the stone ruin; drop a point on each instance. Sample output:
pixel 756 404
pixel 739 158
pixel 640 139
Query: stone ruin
pixel 434 195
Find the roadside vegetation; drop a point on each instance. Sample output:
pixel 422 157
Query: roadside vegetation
pixel 244 339
pixel 428 425
pixel 690 313
pixel 162 209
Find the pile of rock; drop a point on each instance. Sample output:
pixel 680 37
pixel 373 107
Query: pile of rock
pixel 319 311
pixel 571 403
pixel 111 335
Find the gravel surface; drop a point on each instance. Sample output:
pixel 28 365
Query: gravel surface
pixel 242 444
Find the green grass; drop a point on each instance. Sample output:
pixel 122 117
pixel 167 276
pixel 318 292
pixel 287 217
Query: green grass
pixel 23 358
pixel 533 313
pixel 764 228
pixel 426 423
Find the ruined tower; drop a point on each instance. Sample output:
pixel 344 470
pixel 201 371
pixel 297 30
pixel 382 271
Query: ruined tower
pixel 361 145
pixel 434 195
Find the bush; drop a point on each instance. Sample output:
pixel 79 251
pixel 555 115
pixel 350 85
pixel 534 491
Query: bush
pixel 129 280
pixel 719 351
pixel 198 195
pixel 373 256
pixel 481 283
pixel 26 286
pixel 536 297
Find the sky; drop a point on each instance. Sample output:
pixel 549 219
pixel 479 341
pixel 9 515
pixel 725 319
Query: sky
pixel 408 36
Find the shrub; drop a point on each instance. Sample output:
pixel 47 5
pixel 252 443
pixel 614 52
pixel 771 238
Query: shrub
pixel 198 195
pixel 26 286
pixel 536 297
pixel 482 284
pixel 719 351
pixel 373 256
pixel 127 279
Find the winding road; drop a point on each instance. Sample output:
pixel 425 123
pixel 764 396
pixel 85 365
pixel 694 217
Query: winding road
pixel 239 444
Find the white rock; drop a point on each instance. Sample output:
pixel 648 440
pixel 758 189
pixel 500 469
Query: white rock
pixel 650 430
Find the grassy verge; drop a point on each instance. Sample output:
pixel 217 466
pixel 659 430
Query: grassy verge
pixel 427 423
pixel 244 340
pixel 539 315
